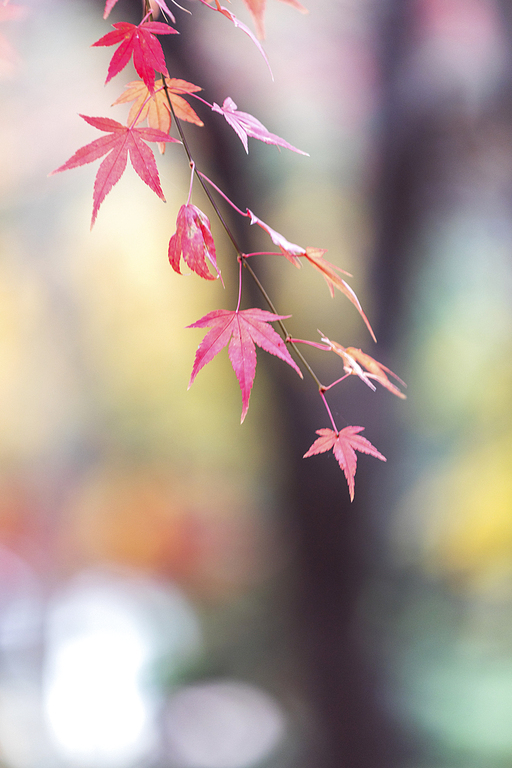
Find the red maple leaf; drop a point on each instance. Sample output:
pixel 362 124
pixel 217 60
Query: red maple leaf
pixel 246 125
pixel 193 240
pixel 120 141
pixel 257 11
pixel 142 43
pixel 242 329
pixel 344 444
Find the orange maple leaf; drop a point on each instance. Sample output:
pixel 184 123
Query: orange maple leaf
pixel 156 107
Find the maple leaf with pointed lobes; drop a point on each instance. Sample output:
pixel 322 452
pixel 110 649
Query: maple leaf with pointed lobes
pixel 344 445
pixel 354 358
pixel 242 329
pixel 155 107
pixel 246 125
pixel 161 4
pixel 257 11
pixel 142 43
pixel 121 141
pixel 193 240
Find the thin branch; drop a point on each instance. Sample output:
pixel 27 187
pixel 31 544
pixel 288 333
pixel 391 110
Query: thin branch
pixel 241 256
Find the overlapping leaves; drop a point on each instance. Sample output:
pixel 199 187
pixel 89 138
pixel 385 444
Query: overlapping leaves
pixel 154 105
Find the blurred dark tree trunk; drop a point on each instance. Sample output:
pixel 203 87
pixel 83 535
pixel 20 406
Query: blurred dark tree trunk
pixel 329 535
pixel 334 541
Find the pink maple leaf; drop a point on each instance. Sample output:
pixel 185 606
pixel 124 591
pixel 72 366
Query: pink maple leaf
pixel 246 125
pixel 110 4
pixel 242 329
pixel 257 10
pixel 142 43
pixel 193 240
pixel 121 141
pixel 344 444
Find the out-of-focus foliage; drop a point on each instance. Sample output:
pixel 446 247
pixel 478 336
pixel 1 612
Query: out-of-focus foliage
pixel 143 570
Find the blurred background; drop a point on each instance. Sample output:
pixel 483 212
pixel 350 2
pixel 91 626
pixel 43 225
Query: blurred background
pixel 178 591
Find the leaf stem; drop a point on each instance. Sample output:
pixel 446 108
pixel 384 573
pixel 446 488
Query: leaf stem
pixel 205 188
pixel 336 382
pixel 240 263
pixel 226 198
pixel 192 170
pixel 329 412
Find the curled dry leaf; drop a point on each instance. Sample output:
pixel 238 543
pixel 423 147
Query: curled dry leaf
pixel 354 358
pixel 193 240
pixel 315 256
pixel 289 250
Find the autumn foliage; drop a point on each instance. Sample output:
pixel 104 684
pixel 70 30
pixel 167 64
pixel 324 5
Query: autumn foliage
pixel 162 99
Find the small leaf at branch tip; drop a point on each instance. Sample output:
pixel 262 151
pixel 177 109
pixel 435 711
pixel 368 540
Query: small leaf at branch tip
pixel 344 445
pixel 194 242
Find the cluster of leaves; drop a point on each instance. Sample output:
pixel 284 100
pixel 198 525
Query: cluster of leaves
pixel 159 99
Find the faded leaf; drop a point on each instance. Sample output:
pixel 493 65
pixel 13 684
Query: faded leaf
pixel 155 107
